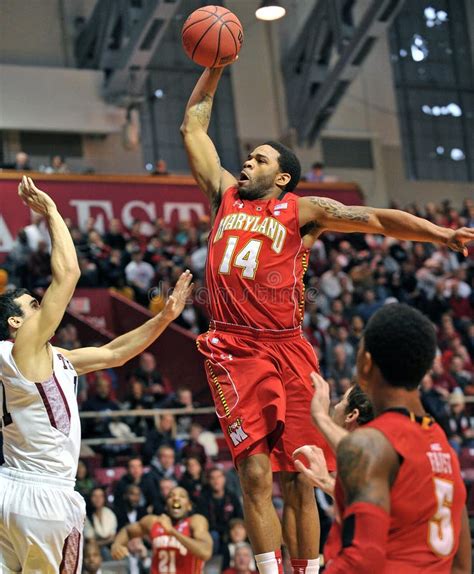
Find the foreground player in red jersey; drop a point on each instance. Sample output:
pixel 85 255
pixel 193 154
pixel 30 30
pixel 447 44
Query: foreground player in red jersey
pixel 257 361
pixel 399 488
pixel 181 543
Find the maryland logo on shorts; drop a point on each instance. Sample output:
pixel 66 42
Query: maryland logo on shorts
pixel 236 432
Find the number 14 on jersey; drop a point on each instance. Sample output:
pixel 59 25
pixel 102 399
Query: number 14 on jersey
pixel 246 258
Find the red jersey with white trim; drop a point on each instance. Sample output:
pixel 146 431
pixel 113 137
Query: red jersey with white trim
pixel 426 499
pixel 169 555
pixel 256 263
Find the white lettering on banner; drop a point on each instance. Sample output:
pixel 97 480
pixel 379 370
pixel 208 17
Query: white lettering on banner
pixel 148 208
pixel 184 210
pixel 6 239
pixel 83 207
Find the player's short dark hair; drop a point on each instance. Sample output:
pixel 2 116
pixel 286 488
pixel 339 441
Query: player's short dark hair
pixel 9 308
pixel 357 399
pixel 402 342
pixel 288 163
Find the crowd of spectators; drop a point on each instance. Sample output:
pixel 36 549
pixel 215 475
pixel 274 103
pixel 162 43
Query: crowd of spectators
pixel 349 277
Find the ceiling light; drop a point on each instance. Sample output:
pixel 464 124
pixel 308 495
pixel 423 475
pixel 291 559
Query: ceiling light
pixel 270 10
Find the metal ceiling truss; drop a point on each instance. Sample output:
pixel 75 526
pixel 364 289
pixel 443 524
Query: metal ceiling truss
pixel 325 58
pixel 121 37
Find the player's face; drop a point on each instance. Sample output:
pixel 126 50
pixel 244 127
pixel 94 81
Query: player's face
pixel 29 305
pixel 339 412
pixel 178 504
pixel 92 559
pixel 242 559
pixel 259 173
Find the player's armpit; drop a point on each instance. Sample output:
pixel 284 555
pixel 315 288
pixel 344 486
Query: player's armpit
pixel 462 563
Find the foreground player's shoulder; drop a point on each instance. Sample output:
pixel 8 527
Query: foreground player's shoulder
pixel 364 458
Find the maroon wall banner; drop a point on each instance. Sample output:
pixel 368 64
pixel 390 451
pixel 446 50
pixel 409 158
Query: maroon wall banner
pixel 127 198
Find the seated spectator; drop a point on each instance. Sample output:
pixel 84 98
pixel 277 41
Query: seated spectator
pixel 160 168
pixel 205 438
pixel 460 427
pixel 340 368
pixel 57 165
pixel 183 399
pixel 332 280
pixel 164 433
pixel 316 173
pixel 193 477
pixel 137 399
pixel 159 491
pixel 114 237
pixel 219 505
pixel 139 275
pixel 193 447
pixel 84 482
pixel 243 560
pixel 21 163
pixel 92 558
pixel 101 522
pixel 237 538
pixel 129 509
pixel 369 306
pixel 16 262
pixel 113 270
pixel 151 378
pixel 37 232
pixel 135 475
pixel 434 401
pixel 162 466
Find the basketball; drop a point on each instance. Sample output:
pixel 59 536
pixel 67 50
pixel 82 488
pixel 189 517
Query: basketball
pixel 212 36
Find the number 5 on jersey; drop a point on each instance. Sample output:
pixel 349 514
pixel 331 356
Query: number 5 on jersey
pixel 246 258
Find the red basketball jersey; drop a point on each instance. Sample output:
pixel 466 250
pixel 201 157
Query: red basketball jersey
pixel 426 500
pixel 256 263
pixel 169 555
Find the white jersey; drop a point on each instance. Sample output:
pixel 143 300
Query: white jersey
pixel 40 420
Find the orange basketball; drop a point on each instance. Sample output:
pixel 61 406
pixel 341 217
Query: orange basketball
pixel 212 36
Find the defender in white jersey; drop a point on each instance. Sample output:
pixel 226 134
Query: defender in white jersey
pixel 41 516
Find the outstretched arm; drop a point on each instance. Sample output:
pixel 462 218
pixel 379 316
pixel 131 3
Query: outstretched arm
pixel 367 466
pixel 203 158
pixel 40 327
pixel 328 214
pixel 127 346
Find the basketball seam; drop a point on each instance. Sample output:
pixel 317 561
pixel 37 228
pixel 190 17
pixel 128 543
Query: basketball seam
pixel 218 46
pixel 232 36
pixel 186 28
pixel 201 38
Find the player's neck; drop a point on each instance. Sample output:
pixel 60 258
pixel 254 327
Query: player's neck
pixel 388 397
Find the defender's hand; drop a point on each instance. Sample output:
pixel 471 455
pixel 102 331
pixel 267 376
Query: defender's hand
pixel 177 300
pixel 34 198
pixel 321 398
pixel 317 473
pixel 165 522
pixel 118 551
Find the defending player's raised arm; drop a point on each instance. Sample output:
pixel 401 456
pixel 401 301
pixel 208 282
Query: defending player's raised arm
pixel 128 345
pixel 367 466
pixel 328 214
pixel 64 267
pixel 138 529
pixel 204 161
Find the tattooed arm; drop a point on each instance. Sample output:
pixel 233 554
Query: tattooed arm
pixel 203 158
pixel 367 466
pixel 328 214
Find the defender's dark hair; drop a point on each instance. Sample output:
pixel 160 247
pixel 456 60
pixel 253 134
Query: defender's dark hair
pixel 288 163
pixel 402 343
pixel 9 308
pixel 357 399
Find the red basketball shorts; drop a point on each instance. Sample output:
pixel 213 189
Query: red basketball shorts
pixel 260 382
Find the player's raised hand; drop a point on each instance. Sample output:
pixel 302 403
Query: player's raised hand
pixel 177 300
pixel 119 551
pixel 321 398
pixel 316 473
pixel 34 198
pixel 460 238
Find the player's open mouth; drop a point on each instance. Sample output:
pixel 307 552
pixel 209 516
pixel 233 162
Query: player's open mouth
pixel 176 506
pixel 243 177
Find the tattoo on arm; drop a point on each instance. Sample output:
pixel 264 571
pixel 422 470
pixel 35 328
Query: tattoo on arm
pixel 338 210
pixel 364 464
pixel 202 110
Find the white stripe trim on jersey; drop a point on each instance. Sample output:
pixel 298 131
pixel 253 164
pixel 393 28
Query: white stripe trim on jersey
pixel 294 284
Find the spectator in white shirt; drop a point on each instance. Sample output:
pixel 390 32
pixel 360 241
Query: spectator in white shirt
pixel 140 275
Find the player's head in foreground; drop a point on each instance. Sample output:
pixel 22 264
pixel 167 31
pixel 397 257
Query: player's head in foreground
pixel 16 307
pixel 398 348
pixel 353 410
pixel 269 169
pixel 178 504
